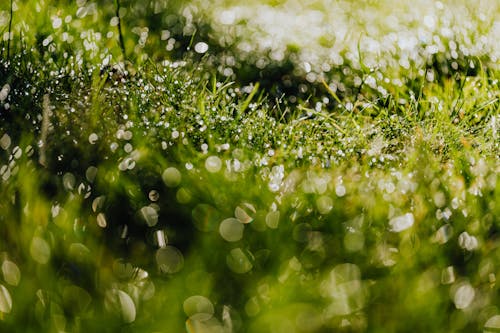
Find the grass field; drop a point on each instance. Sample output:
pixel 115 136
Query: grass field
pixel 279 166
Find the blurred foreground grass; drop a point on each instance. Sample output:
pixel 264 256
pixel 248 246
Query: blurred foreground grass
pixel 165 196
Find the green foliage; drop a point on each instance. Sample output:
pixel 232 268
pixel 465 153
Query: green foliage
pixel 162 195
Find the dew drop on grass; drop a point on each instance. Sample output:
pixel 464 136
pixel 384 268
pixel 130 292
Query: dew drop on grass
pixel 113 146
pixel 154 195
pixel 55 210
pixel 101 220
pixel 273 219
pixel 443 234
pixel 4 92
pixel 29 151
pixel 122 303
pixel 5 141
pixel 238 261
pixel 169 259
pixel 448 275
pixel 198 308
pixel 69 181
pixel 17 152
pixel 40 250
pixel 324 204
pixel 492 325
pixel 340 190
pixel 213 164
pixel 161 238
pixel 231 229
pixel 127 135
pixel 93 138
pixel 91 173
pixel 11 273
pixel 245 212
pixel 201 47
pixel 98 203
pixel 150 215
pixel 171 177
pixel 463 296
pixel 5 300
pixel 467 242
pixel 401 223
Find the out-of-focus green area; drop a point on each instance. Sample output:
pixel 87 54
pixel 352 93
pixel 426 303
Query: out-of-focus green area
pixel 277 166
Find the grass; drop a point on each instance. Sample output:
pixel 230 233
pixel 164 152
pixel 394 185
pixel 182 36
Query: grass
pixel 168 197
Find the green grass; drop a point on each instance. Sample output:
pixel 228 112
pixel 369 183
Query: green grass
pixel 173 198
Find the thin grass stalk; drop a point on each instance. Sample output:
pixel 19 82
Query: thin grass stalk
pixel 10 29
pixel 120 32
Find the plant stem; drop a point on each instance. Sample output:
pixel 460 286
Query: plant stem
pixel 120 34
pixel 10 29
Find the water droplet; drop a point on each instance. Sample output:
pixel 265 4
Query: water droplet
pixel 198 308
pixel 93 138
pixel 91 173
pixel 467 241
pixel 201 47
pixel 169 259
pixel 231 229
pixel 29 151
pixel 154 195
pixel 340 190
pixel 11 273
pixel 324 204
pixel 122 303
pixel 161 238
pixel 55 210
pixel 101 220
pixel 171 177
pixel 4 92
pixel 213 164
pixel 401 223
pixel 443 234
pixel 5 300
pixel 69 181
pixel 464 295
pixel 273 219
pixel 5 141
pixel 245 212
pixel 344 289
pixel 98 203
pixel 448 275
pixel 238 261
pixel 113 146
pixel 150 215
pixel 17 152
pixel 40 250
pixel 492 325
